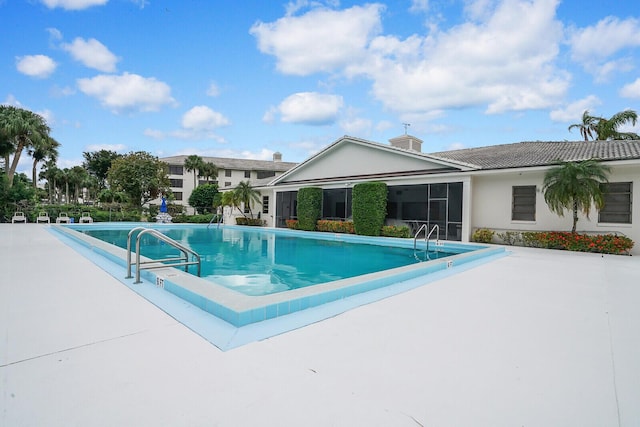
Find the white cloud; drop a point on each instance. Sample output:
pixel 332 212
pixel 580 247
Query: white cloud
pixel 320 40
pixel 419 6
pixel 631 90
pixel 92 54
pixel 12 100
pixel 203 118
pixel 310 108
pixel 606 38
pixel 213 90
pixel 127 92
pixel 501 62
pixel 73 4
pixel 356 126
pixel 490 60
pixel 573 112
pixel 198 123
pixel 38 66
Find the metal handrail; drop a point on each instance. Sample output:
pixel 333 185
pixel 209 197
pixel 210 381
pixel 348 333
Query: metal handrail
pixel 181 260
pixel 436 227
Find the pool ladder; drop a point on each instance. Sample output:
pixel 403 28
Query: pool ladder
pixel 435 228
pixel 182 260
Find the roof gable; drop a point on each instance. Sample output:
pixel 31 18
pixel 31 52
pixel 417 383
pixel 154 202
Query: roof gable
pixel 353 157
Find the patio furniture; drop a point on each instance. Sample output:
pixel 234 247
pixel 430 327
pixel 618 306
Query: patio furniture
pixel 63 218
pixel 43 217
pixel 86 217
pixel 18 217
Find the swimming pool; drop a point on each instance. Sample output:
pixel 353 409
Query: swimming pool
pixel 255 261
pixel 239 318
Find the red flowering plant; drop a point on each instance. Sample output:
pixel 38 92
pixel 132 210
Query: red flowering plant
pixel 600 243
pixel 333 226
pixel 292 223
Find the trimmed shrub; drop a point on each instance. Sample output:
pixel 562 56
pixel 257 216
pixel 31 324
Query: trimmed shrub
pixel 369 207
pixel 249 221
pixel 396 231
pixel 292 224
pixel 309 207
pixel 482 235
pixel 335 226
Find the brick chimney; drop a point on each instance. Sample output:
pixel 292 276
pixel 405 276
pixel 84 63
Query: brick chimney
pixel 407 142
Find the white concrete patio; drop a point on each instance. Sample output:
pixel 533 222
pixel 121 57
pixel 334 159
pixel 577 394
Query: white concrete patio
pixel 537 338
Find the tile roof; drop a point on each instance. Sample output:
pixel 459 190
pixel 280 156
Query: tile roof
pixel 527 154
pixel 236 164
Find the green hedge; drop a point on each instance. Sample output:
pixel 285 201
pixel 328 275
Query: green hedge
pixel 309 207
pixel 369 207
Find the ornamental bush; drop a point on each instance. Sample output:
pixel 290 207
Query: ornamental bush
pixel 335 226
pixel 482 235
pixel 309 207
pixel 369 207
pixel 396 231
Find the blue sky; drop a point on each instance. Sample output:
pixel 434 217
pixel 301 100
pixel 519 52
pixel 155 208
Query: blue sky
pixel 248 78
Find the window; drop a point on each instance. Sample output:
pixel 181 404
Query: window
pixel 265 204
pixel 524 203
pixel 227 172
pixel 617 203
pixel 175 183
pixel 176 170
pixel 247 174
pixel 177 195
pixel 265 174
pixel 227 184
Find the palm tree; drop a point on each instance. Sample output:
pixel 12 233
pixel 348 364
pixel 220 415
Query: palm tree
pixel 23 129
pixel 246 194
pixel 193 163
pixel 588 125
pixel 45 148
pixel 209 170
pixel 601 129
pixel 50 172
pixel 607 129
pixel 575 186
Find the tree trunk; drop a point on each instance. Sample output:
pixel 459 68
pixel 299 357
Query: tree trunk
pixel 575 217
pixel 14 164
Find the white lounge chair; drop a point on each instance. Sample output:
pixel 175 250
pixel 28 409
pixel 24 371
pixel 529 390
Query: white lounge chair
pixel 86 217
pixel 43 217
pixel 63 217
pixel 18 217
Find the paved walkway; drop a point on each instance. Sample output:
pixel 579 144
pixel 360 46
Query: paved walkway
pixel 538 338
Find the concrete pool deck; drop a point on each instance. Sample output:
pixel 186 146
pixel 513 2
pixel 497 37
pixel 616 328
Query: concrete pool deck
pixel 537 338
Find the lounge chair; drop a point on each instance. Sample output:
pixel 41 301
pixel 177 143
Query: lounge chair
pixel 18 217
pixel 86 217
pixel 43 217
pixel 63 217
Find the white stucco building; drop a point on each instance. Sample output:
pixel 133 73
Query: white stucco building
pixel 496 187
pixel 230 173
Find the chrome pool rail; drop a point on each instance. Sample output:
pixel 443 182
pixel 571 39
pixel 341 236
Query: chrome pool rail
pixel 182 260
pixel 435 228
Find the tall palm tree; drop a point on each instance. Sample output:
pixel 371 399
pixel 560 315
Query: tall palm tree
pixel 601 129
pixel 588 125
pixel 22 128
pixel 575 186
pixel 50 172
pixel 193 163
pixel 45 148
pixel 76 177
pixel 209 170
pixel 246 194
pixel 607 129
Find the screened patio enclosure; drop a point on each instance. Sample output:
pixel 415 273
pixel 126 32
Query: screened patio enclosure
pixel 410 205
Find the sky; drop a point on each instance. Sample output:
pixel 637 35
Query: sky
pixel 248 78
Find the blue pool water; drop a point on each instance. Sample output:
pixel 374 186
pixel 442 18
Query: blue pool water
pixel 259 262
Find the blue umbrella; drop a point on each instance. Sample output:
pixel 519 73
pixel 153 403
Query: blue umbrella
pixel 163 205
